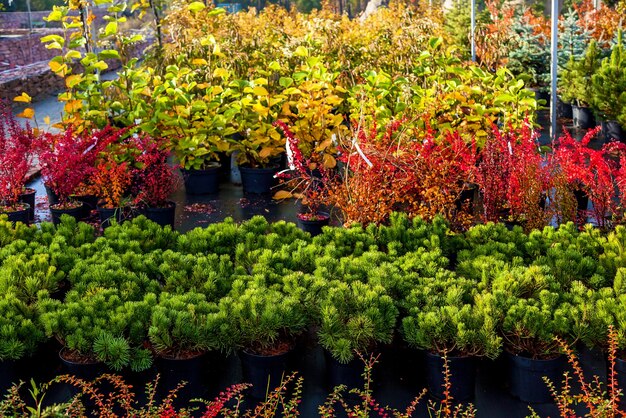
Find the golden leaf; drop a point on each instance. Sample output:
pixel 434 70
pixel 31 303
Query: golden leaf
pixel 329 161
pixel 23 98
pixel 28 113
pixel 282 194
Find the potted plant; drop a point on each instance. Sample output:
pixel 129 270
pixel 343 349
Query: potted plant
pixel 183 329
pixel 535 309
pixel 20 335
pixel 16 159
pixel 608 87
pixel 449 316
pixel 306 183
pixel 199 117
pixel 110 182
pixel 260 145
pixel 98 328
pixel 67 162
pixel 576 85
pixel 261 323
pixel 154 180
pixel 354 317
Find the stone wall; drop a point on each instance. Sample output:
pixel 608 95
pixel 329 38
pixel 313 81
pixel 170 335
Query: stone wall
pixel 19 20
pixel 24 50
pixel 36 80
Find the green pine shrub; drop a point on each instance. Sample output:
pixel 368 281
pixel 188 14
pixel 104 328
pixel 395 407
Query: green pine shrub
pixel 100 326
pixel 184 325
pixel 575 83
pixel 452 317
pixel 25 277
pixel 20 329
pixel 261 319
pixel 355 317
pixel 529 56
pixel 140 235
pixel 608 92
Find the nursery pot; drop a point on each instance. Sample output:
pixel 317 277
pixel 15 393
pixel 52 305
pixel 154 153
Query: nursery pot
pixel 349 374
pixel 582 200
pixel 612 130
pixel 462 376
pixel 173 371
pixel 107 214
pixel 314 226
pixel 583 118
pixel 7 374
pixel 53 198
pixel 75 212
pixel 526 377
pixel 263 372
pixel 163 216
pixel 84 370
pixel 202 181
pixel 20 215
pixel 565 109
pixel 28 196
pixel 620 376
pixel 90 202
pixel 258 180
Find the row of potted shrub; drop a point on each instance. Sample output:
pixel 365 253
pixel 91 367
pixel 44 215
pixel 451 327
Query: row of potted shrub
pixel 141 292
pixel 594 85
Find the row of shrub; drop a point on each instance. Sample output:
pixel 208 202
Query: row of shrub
pixel 141 290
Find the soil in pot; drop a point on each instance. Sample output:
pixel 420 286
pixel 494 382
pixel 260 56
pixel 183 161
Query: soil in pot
pixel 462 372
pixel 28 196
pixel 313 224
pixel 583 117
pixel 258 180
pixel 191 368
pixel 264 372
pixel 19 213
pixel 526 377
pixel 163 216
pixel 202 181
pixel 73 209
pixel 84 368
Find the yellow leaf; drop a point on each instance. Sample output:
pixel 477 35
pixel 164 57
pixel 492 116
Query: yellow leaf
pixel 282 194
pixel 73 80
pixel 23 98
pixel 58 68
pixel 28 113
pixel 260 91
pixel 329 161
pixel 73 106
pixel 46 120
pixel 199 61
pixel 265 152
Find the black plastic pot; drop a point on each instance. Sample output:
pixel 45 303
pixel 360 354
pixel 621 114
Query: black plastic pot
pixel 612 130
pixel 565 109
pixel 526 377
pixel 53 198
pixel 582 200
pixel 263 372
pixel 462 376
pixel 108 214
pixel 314 226
pixel 349 374
pixel 258 180
pixel 90 202
pixel 202 181
pixel 20 215
pixel 174 371
pixel 86 371
pixel 76 212
pixel 583 117
pixel 163 216
pixel 29 197
pixel 620 374
pixel 7 374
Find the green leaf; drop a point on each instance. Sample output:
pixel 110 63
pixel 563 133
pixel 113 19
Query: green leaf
pixel 109 54
pixel 196 6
